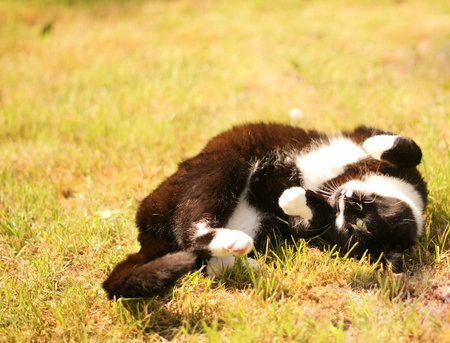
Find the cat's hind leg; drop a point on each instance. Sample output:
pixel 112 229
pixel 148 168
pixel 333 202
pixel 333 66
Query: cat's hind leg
pixel 399 150
pixel 222 245
pixel 155 268
pixel 151 271
pixel 221 242
pixel 138 276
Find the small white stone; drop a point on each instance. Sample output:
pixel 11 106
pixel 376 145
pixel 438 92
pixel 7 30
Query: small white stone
pixel 106 214
pixel 296 113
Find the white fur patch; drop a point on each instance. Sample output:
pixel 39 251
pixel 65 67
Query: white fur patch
pixel 245 217
pixel 377 145
pixel 202 228
pixel 328 161
pixel 340 217
pixel 293 203
pixel 392 187
pixel 216 265
pixel 230 243
pixel 236 239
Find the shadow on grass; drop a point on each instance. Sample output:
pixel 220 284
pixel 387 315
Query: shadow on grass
pixel 185 309
pixel 191 307
pixel 195 305
pixel 156 316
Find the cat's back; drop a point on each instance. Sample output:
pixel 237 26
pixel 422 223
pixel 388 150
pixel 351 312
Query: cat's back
pixel 255 140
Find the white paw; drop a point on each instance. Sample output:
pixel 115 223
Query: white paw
pixel 230 243
pixel 377 145
pixel 217 265
pixel 293 203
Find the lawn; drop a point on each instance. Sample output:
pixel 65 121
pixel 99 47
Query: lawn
pixel 99 101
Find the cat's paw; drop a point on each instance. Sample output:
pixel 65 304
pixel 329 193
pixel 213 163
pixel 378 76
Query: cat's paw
pixel 228 242
pixel 217 265
pixel 399 150
pixel 377 145
pixel 293 203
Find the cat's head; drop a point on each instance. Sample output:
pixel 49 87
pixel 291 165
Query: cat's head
pixel 380 214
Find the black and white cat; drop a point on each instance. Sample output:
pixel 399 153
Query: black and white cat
pixel 357 189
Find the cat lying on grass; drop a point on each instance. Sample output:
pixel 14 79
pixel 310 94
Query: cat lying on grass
pixel 359 190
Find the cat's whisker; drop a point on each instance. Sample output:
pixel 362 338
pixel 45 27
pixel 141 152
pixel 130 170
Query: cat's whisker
pixel 325 189
pixel 331 187
pixel 406 220
pixel 321 190
pixel 334 185
pixel 349 241
pixel 318 228
pixel 322 233
pixel 327 193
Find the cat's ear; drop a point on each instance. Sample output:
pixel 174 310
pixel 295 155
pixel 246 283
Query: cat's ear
pixel 394 259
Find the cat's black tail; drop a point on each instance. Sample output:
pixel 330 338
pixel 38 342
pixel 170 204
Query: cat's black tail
pixel 135 277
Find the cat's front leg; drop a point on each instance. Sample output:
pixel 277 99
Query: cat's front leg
pixel 308 212
pixel 293 203
pixel 399 150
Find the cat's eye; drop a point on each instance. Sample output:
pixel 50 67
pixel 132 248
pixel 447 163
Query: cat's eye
pixel 361 224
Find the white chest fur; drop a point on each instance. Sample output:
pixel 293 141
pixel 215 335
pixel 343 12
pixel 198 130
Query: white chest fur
pixel 326 161
pixel 245 217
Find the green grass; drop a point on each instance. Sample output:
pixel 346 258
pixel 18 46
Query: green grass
pixel 100 100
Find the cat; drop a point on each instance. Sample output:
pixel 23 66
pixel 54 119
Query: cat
pixel 359 190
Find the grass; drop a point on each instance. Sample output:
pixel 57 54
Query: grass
pixel 100 100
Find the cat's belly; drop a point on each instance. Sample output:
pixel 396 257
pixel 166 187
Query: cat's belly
pixel 245 218
pixel 327 161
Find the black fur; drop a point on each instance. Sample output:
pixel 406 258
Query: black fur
pixel 154 277
pixel 405 153
pixel 258 159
